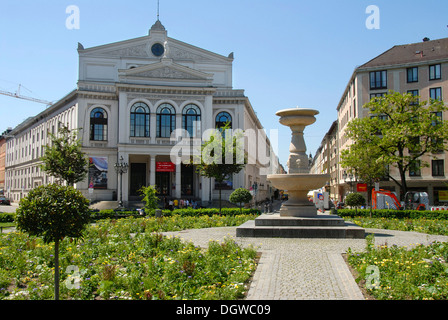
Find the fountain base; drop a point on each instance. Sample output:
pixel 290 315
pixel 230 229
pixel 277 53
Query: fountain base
pixel 319 226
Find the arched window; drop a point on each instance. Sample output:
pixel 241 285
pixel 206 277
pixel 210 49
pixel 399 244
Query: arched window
pixel 166 120
pixel 222 118
pixel 98 124
pixel 191 119
pixel 140 120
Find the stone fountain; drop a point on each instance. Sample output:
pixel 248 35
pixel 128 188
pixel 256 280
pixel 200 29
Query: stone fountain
pixel 298 217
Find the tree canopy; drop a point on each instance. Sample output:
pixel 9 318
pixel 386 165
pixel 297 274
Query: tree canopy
pixel 63 157
pixel 399 130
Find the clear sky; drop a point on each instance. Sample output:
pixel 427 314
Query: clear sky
pixel 288 53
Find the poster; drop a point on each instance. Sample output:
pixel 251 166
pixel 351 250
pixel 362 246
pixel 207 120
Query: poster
pixel 98 172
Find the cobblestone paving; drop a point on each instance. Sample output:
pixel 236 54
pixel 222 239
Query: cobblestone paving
pixel 304 269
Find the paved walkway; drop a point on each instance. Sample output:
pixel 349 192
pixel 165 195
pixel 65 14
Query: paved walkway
pixel 304 269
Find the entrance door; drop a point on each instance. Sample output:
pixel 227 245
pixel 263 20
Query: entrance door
pixel 138 178
pixel 187 178
pixel 163 183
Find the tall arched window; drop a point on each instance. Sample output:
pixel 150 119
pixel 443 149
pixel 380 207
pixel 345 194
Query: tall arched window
pixel 140 120
pixel 222 118
pixel 166 120
pixel 191 118
pixel 98 124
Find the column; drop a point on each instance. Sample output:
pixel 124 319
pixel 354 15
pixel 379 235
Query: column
pixel 177 192
pixel 152 171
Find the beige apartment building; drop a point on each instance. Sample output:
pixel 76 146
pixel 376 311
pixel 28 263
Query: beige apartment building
pixel 417 68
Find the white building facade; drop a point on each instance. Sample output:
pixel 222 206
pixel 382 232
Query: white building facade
pixel 131 96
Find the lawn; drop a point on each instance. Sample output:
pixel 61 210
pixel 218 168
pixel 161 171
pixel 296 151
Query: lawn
pixel 128 259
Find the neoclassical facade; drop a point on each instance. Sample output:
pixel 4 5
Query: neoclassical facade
pixel 130 98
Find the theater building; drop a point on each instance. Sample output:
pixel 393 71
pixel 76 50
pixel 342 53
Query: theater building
pixel 130 97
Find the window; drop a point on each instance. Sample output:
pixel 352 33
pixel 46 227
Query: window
pixel 412 74
pixel 435 72
pixel 415 94
pixel 377 95
pixel 166 120
pixel 435 93
pixel 378 80
pixel 191 118
pixel 437 168
pixel 140 120
pixel 222 118
pixel 414 169
pixel 98 125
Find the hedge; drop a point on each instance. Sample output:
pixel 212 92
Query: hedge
pixel 6 217
pixel 116 214
pixel 397 214
pixel 189 212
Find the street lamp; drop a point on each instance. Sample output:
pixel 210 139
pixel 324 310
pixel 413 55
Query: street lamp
pixel 121 167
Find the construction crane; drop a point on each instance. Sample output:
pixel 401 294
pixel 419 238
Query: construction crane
pixel 19 96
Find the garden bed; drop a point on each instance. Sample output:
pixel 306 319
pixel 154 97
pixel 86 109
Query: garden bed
pixel 109 263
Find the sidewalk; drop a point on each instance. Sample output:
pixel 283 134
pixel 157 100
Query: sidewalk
pixel 304 269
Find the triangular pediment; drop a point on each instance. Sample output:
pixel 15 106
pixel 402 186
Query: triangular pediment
pixel 166 69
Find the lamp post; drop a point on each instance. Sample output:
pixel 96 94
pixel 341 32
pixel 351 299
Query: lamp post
pixel 121 167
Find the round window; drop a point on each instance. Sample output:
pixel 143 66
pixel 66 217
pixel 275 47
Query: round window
pixel 157 49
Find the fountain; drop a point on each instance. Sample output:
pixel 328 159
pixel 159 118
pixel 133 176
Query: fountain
pixel 298 217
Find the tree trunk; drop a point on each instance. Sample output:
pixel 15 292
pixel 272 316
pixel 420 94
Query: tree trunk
pixel 219 200
pixel 56 270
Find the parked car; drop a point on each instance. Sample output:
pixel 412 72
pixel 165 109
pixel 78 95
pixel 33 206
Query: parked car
pixel 4 200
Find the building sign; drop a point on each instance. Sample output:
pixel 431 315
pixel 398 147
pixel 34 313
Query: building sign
pixel 361 187
pixel 165 167
pixel 443 195
pixel 98 173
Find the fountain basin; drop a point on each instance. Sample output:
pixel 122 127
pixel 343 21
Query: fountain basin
pixel 297 185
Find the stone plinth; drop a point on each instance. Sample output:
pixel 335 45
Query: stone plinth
pixel 320 226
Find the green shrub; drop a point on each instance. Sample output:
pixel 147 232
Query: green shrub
pixel 6 217
pixel 398 214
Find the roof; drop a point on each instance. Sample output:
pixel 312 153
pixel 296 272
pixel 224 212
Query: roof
pixel 411 53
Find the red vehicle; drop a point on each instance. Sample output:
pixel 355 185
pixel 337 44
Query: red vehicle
pixel 4 200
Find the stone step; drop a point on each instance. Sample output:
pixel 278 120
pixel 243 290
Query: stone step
pixel 319 220
pixel 249 229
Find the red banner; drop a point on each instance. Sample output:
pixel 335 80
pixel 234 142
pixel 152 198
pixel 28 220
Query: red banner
pixel 165 167
pixel 361 187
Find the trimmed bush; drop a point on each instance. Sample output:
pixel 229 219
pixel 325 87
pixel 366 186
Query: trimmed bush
pixel 397 214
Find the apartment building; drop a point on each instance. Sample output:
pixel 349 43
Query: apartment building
pixel 326 160
pixel 418 68
pixel 130 98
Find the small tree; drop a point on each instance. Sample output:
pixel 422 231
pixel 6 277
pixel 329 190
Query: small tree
pixel 240 196
pixel 220 156
pixel 64 159
pixel 53 212
pixel 355 200
pixel 149 197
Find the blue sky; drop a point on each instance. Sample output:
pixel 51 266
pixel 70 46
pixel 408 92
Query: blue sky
pixel 288 53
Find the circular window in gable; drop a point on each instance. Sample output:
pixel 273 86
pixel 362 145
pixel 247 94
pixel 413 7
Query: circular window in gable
pixel 157 49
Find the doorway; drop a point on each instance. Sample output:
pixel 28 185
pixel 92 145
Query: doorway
pixel 138 178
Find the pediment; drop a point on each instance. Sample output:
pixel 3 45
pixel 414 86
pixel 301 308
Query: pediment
pixel 166 69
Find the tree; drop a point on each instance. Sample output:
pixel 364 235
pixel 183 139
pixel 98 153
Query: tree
pixel 365 162
pixel 150 198
pixel 355 200
pixel 64 159
pixel 240 196
pixel 399 131
pixel 221 156
pixel 53 212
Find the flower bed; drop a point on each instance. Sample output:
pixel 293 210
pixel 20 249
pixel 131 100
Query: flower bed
pixel 403 273
pixel 127 259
